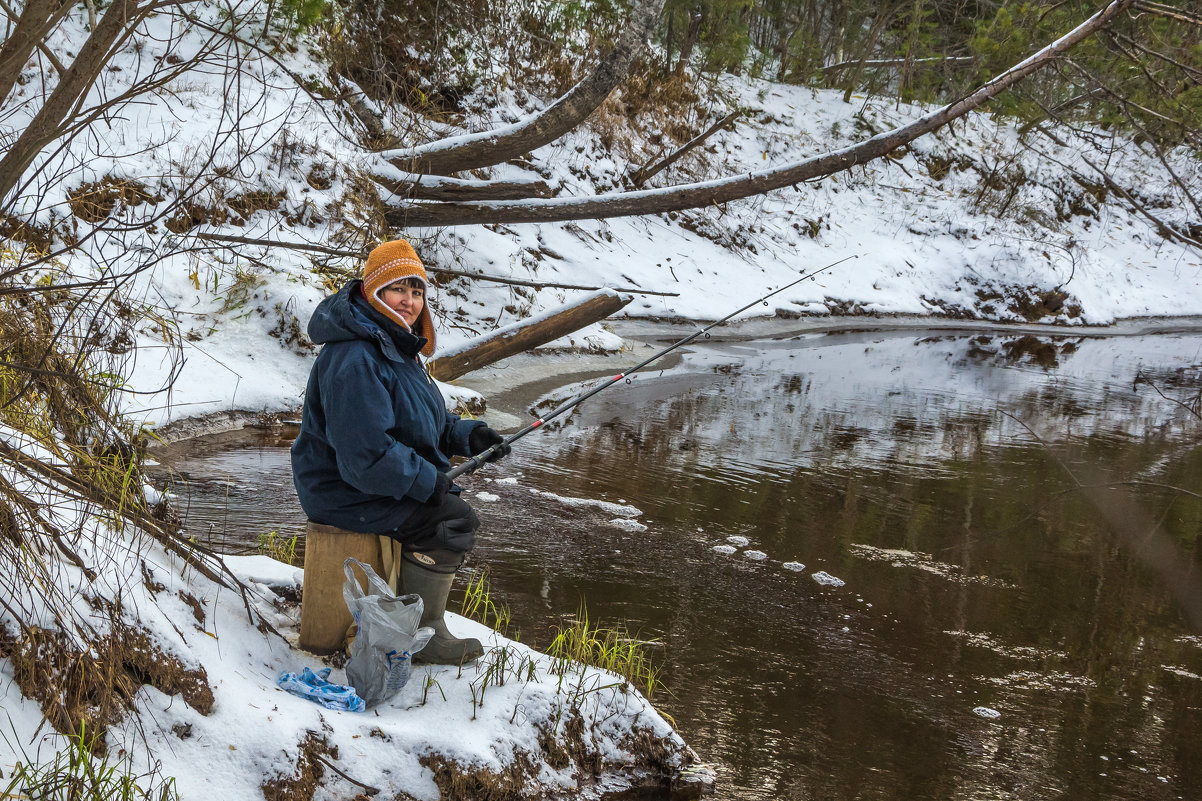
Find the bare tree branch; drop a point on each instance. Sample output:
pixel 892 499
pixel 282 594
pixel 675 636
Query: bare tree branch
pixel 35 22
pixel 1168 11
pixel 362 254
pixel 646 173
pixel 73 85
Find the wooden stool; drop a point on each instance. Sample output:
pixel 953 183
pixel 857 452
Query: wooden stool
pixel 324 616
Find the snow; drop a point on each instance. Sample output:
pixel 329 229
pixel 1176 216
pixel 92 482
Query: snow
pixel 489 715
pixel 621 510
pixel 826 579
pixel 922 245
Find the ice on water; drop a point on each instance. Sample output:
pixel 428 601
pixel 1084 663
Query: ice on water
pixel 827 580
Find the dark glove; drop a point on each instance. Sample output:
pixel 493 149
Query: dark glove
pixel 482 438
pixel 442 485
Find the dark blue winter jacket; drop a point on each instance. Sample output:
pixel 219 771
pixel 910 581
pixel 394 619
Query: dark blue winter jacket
pixel 375 431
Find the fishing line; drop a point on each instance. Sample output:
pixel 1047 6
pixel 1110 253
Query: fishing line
pixel 479 459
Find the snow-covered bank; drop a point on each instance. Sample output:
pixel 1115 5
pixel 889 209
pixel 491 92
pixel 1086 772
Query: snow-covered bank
pixel 517 723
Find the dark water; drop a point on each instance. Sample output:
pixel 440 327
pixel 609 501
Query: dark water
pixel 1016 522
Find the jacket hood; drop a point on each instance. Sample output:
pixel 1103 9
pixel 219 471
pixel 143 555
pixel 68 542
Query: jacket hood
pixel 347 315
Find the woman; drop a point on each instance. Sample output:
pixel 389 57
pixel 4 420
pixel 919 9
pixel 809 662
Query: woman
pixel 375 438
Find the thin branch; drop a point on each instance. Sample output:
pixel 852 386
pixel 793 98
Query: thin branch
pixel 367 788
pixel 362 254
pixel 1168 11
pixel 897 62
pixel 646 173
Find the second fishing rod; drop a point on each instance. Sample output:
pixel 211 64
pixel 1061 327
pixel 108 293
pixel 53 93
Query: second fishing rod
pixel 475 462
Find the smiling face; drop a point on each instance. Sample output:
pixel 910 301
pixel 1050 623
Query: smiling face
pixel 406 297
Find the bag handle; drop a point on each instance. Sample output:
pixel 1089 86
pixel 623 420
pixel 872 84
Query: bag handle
pixel 377 585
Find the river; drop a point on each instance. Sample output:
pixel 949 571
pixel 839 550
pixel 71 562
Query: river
pixel 876 564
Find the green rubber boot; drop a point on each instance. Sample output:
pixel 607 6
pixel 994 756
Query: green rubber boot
pixel 444 648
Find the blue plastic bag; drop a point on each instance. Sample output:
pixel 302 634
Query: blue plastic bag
pixel 318 688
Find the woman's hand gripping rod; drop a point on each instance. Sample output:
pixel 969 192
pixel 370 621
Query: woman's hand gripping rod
pixel 477 461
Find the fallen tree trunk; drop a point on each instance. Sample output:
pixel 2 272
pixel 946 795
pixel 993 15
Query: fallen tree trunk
pixel 438 187
pixel 462 359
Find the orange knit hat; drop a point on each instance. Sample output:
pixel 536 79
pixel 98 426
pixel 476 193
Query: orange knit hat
pixel 388 264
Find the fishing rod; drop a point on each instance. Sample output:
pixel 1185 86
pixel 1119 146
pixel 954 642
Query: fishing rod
pixel 475 462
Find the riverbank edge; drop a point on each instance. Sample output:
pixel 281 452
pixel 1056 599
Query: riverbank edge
pixel 509 386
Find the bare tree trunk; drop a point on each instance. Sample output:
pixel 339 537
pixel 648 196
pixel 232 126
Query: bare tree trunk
pixel 692 34
pixel 494 147
pixel 438 187
pixel 37 19
pixel 878 24
pixel 722 190
pixel 73 85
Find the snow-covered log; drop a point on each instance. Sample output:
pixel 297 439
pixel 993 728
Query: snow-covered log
pixel 526 334
pixel 438 187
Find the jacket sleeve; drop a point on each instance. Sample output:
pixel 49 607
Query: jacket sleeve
pixel 358 419
pixel 455 433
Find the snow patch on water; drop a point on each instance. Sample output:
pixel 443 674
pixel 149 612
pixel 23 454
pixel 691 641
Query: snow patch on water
pixel 626 524
pixel 979 640
pixel 925 562
pixel 827 580
pixel 1032 680
pixel 509 480
pixel 797 567
pixel 986 712
pixel 755 555
pixel 487 497
pixel 725 549
pixel 1180 671
pixel 739 542
pixel 608 507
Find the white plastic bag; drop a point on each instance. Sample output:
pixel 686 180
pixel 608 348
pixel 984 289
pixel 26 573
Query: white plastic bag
pixel 390 632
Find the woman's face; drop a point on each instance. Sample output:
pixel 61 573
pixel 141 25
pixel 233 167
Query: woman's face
pixel 405 298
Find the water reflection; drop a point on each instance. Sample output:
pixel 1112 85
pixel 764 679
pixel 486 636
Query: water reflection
pixel 941 479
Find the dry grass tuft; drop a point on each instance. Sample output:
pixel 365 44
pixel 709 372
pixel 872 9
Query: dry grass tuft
pixel 302 783
pixel 88 687
pixel 93 202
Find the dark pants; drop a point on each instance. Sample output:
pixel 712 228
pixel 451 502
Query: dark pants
pixel 438 537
